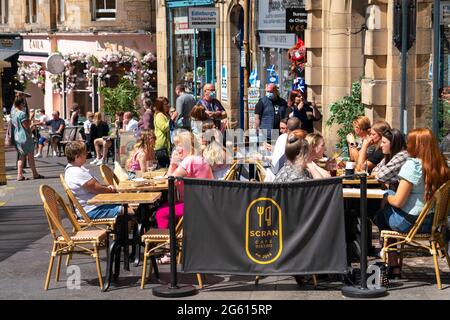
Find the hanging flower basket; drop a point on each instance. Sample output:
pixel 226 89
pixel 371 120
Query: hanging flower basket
pixel 33 72
pixel 126 62
pixel 148 75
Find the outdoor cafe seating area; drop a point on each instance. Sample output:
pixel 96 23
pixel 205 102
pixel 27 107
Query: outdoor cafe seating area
pixel 148 244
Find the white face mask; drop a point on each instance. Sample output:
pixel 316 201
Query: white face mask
pixel 269 95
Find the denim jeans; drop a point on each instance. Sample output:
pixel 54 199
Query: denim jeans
pixel 391 218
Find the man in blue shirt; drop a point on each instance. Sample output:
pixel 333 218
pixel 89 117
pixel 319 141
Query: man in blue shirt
pixel 57 130
pixel 214 108
pixel 269 110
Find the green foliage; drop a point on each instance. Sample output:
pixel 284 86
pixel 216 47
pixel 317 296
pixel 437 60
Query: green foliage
pixel 444 117
pixel 121 98
pixel 343 112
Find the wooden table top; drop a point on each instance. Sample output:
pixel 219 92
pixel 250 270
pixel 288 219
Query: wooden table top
pixel 357 181
pixel 125 198
pixel 155 173
pixel 356 193
pixel 153 186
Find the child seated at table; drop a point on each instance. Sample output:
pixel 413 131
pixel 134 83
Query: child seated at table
pixel 143 151
pixel 85 186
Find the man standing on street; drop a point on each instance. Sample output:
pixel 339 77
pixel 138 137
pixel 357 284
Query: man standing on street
pixel 214 108
pixel 269 110
pixel 185 103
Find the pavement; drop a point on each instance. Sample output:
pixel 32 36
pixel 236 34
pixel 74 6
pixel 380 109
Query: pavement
pixel 25 243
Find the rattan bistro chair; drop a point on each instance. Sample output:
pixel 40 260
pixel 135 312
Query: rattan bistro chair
pixel 109 178
pixel 433 242
pixel 85 221
pixel 67 243
pixel 157 242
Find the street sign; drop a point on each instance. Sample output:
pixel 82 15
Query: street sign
pixel 203 18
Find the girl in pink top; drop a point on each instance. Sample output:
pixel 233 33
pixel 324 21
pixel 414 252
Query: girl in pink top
pixel 185 162
pixel 143 151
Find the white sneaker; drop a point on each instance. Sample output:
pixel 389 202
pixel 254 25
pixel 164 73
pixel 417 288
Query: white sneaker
pixel 38 155
pixel 100 162
pixel 95 161
pixel 54 153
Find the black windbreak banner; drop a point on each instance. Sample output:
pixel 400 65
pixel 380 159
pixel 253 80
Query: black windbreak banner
pixel 264 228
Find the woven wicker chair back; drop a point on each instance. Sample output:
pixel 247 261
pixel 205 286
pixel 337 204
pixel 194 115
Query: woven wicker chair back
pixel 108 176
pixel 73 201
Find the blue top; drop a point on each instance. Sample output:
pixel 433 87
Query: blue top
pixel 411 171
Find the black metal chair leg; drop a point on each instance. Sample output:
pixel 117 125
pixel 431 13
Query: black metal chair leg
pixel 155 266
pixel 109 264
pixel 117 262
pixel 137 246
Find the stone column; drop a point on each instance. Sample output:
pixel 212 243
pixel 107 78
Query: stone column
pixel 2 132
pixel 334 60
pixel 162 49
pixel 381 85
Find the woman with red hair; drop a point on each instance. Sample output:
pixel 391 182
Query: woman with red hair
pixel 421 175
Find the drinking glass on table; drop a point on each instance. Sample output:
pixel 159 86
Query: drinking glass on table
pixel 152 165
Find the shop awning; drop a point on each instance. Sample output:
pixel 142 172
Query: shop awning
pixel 38 59
pixel 6 54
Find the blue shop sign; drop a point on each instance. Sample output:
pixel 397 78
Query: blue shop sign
pixel 188 3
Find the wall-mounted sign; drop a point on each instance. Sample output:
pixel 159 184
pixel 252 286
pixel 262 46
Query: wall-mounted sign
pixel 37 45
pixel 203 18
pixel 296 18
pixel 277 40
pixel 224 84
pixel 272 15
pixel 182 26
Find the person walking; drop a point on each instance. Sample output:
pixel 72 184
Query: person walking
pixel 269 110
pixel 22 139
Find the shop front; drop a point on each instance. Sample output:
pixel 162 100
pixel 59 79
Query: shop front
pixel 32 72
pixel 10 48
pixel 275 63
pixel 96 61
pixel 193 50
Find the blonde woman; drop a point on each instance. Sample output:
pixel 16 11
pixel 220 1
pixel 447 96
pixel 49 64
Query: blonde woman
pixel 216 156
pixel 142 152
pixel 361 127
pixel 186 161
pixel 316 151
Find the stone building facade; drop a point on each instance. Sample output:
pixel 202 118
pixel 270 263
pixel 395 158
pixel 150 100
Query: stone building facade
pixel 345 39
pixel 90 27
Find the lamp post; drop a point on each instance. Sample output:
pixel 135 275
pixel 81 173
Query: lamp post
pixel 246 53
pixel 436 56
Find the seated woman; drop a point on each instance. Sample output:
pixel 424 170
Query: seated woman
pixel 143 151
pixel 198 116
pixel 83 185
pixel 99 139
pixel 393 145
pixel 370 154
pixel 316 151
pixel 361 127
pixel 297 155
pixel 421 175
pixel 215 154
pixel 186 161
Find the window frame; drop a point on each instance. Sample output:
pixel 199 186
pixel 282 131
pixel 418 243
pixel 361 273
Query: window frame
pixel 4 13
pixel 96 11
pixel 31 11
